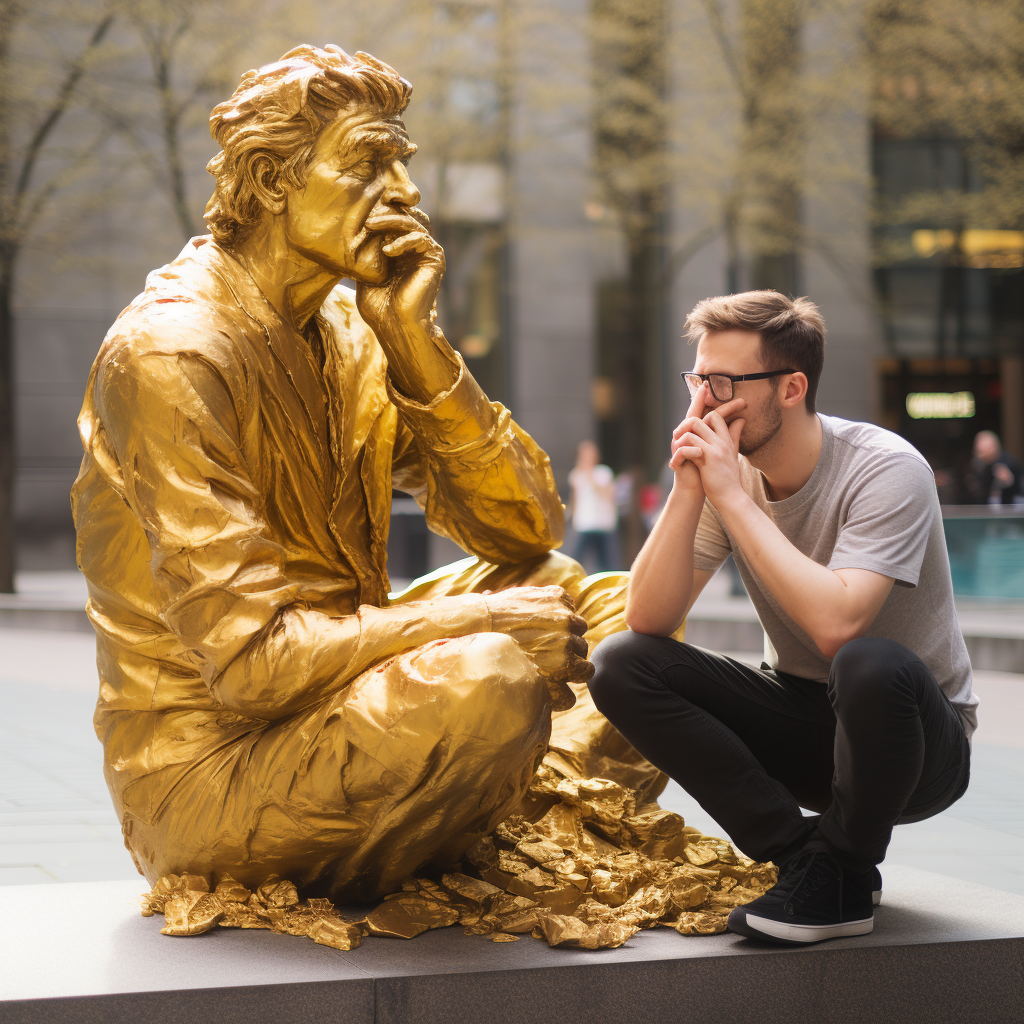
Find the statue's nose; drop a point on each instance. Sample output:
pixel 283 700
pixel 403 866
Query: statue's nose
pixel 400 189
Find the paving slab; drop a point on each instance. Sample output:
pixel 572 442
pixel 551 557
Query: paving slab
pixel 942 950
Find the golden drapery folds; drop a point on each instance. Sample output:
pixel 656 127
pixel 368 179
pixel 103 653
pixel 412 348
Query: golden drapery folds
pixel 264 707
pixel 279 733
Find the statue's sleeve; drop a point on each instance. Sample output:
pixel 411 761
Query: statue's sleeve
pixel 167 428
pixel 480 478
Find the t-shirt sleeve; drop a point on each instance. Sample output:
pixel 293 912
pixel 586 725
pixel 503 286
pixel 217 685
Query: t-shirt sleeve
pixel 711 545
pixel 889 521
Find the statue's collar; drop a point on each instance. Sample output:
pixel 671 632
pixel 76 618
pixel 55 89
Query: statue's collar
pixel 288 345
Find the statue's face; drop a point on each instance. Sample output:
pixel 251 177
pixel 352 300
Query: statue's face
pixel 356 173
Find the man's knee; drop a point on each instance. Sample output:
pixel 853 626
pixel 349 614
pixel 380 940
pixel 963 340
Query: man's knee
pixel 619 663
pixel 870 669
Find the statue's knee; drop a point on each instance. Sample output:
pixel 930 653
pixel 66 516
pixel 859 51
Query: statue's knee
pixel 553 569
pixel 489 679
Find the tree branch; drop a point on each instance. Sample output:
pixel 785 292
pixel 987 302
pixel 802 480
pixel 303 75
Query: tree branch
pixel 58 109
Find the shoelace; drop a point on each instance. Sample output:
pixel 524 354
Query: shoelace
pixel 808 872
pixel 814 876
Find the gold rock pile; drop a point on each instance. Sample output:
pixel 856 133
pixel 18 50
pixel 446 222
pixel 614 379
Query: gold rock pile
pixel 590 870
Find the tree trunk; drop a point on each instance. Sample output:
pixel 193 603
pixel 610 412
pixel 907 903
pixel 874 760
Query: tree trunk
pixel 773 140
pixel 631 154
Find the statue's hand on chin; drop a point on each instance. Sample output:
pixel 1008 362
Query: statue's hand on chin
pixel 404 302
pixel 400 311
pixel 543 621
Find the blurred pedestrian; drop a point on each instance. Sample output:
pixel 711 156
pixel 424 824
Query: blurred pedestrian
pixel 652 501
pixel 995 477
pixel 594 516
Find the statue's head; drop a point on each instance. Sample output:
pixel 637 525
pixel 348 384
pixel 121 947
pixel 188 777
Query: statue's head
pixel 316 142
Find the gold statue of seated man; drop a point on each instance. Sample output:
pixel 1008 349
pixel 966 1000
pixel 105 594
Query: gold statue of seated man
pixel 265 707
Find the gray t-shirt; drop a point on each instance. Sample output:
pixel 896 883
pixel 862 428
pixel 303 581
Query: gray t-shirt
pixel 870 504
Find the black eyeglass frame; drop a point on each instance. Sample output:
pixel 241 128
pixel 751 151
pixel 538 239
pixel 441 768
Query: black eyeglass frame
pixel 706 378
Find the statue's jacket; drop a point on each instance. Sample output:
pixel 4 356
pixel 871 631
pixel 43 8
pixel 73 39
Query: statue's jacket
pixel 233 510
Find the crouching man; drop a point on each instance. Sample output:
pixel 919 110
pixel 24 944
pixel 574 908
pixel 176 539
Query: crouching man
pixel 862 710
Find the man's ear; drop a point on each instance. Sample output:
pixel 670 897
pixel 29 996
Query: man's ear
pixel 265 184
pixel 795 390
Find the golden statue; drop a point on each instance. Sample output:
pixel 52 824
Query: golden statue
pixel 265 707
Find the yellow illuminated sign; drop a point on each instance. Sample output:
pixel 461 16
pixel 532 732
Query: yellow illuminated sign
pixel 974 247
pixel 940 405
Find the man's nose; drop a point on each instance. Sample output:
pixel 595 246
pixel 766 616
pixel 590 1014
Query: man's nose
pixel 710 399
pixel 400 191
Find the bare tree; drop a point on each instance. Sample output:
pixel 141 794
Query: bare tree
pixel 33 171
pixel 177 59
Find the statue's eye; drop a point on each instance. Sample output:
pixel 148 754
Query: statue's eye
pixel 365 169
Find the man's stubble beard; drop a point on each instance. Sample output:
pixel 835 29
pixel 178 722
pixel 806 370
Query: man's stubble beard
pixel 768 429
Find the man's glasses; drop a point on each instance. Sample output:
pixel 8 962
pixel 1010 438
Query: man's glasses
pixel 721 384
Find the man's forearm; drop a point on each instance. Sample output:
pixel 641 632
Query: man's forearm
pixel 661 579
pixel 814 597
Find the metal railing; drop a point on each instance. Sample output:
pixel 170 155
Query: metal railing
pixel 986 551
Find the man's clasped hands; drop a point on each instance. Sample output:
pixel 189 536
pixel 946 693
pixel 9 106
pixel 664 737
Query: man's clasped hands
pixel 705 447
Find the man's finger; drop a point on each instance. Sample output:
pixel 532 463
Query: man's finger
pixel 715 421
pixel 701 430
pixel 686 454
pixel 577 625
pixel 688 424
pixel 730 408
pixel 698 401
pixel 735 429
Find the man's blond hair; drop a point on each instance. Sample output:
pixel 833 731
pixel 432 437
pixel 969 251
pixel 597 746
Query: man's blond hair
pixel 792 330
pixel 269 126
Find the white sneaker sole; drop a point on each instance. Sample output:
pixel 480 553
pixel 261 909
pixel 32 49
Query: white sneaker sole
pixel 809 932
pixel 876 897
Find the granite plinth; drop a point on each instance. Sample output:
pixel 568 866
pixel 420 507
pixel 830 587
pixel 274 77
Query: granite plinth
pixel 942 950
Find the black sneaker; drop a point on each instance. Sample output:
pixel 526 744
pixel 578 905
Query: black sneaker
pixel 870 880
pixel 811 901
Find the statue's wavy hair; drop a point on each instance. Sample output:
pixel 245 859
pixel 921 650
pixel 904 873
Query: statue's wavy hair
pixel 268 128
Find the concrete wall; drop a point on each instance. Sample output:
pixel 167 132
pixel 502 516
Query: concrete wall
pixel 837 216
pixel 834 266
pixel 552 315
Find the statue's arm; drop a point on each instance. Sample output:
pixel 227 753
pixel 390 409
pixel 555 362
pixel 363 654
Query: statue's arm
pixel 481 479
pixel 171 424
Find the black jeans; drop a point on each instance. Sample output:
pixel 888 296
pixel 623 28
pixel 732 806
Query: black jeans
pixel 880 744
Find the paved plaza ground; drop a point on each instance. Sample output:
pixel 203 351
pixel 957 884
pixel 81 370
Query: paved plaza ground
pixel 57 823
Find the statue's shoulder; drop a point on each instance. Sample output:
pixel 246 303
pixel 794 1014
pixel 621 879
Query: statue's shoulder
pixel 188 308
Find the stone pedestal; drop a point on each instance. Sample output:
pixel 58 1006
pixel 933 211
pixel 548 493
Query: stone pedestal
pixel 942 951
